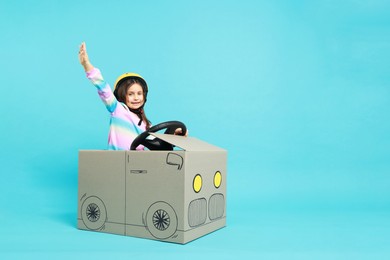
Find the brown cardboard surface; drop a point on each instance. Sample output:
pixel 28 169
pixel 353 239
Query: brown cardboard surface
pixel 163 195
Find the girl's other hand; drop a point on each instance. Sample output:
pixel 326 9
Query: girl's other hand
pixel 179 131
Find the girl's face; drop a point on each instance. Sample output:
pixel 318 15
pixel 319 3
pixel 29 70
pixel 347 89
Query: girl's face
pixel 135 96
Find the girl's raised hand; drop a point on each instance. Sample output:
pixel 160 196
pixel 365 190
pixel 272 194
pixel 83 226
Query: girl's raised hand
pixel 83 57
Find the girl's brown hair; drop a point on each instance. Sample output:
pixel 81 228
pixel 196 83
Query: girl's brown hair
pixel 121 92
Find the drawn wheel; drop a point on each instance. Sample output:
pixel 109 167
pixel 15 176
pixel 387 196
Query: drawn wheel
pixel 93 213
pixel 161 220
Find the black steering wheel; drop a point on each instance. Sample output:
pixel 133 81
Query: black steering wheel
pixel 158 144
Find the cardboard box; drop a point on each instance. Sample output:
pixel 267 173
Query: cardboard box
pixel 174 196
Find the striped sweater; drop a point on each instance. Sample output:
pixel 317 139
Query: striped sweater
pixel 123 123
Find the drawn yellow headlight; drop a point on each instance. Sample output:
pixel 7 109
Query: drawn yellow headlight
pixel 197 184
pixel 217 179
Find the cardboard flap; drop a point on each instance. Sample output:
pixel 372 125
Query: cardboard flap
pixel 187 143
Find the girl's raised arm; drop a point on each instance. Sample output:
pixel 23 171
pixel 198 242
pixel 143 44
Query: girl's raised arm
pixel 83 57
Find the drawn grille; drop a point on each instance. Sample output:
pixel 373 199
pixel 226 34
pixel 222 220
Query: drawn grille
pixel 197 212
pixel 216 206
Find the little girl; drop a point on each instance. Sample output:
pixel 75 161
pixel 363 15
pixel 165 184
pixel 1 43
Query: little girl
pixel 125 104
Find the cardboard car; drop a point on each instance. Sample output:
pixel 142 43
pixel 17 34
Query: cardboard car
pixel 175 196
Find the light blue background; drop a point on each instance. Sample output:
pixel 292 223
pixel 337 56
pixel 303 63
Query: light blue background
pixel 298 92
